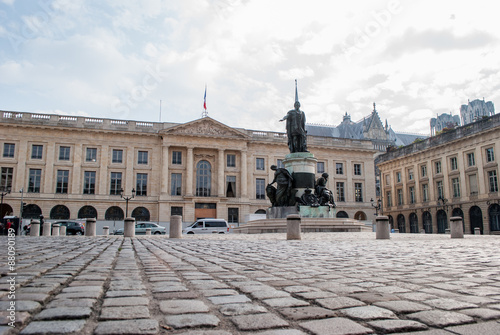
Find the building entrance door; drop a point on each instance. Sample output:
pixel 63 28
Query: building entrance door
pixel 476 218
pixel 205 211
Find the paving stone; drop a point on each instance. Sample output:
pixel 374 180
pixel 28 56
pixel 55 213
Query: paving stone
pixel 71 303
pixel 339 302
pixel 449 304
pixel 80 295
pixel 82 289
pixel 368 313
pixel 126 301
pixel 206 332
pixel 20 318
pixel 335 326
pixel 269 293
pixel 316 295
pixel 308 312
pixel 372 297
pixel 21 305
pixel 124 313
pixel 393 326
pixel 402 306
pixel 240 309
pixel 229 299
pixel 218 292
pixel 163 288
pixel 54 327
pixel 61 313
pixel 192 320
pixel 482 313
pixel 127 293
pixel 132 327
pixel 258 321
pixel 183 306
pixel 38 297
pixel 484 328
pixel 285 302
pixel 280 332
pixel 437 318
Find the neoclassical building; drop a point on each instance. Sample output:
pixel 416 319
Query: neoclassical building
pixel 79 167
pixel 451 174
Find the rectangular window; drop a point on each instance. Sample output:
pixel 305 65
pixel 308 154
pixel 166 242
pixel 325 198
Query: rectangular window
pixel 320 167
pixel 437 166
pixel 6 181
pixel 423 170
pixel 91 155
pixel 358 192
pixel 280 164
pixel 35 180
pixel 230 186
pixel 340 192
pixel 231 160
pixel 410 174
pixel 440 190
pixel 493 181
pixel 425 192
pixel 64 153
pixel 117 156
pixel 260 188
pixel 339 168
pixel 62 181
pixel 388 196
pixel 177 157
pixel 490 155
pixel 357 169
pixel 398 177
pixel 411 192
pixel 471 160
pixel 453 163
pixel 175 210
pixel 259 163
pixel 400 197
pixel 115 185
pixel 141 188
pixel 8 150
pixel 176 184
pixel 36 151
pixel 89 182
pixel 456 187
pixel 142 157
pixel 388 179
pixel 233 215
pixel 473 184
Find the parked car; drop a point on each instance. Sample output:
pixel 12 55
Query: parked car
pixel 72 227
pixel 140 229
pixel 208 226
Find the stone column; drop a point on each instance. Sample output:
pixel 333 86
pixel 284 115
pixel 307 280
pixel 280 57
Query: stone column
pixel 457 228
pixel 105 230
pixel 148 231
pixel 383 228
pixel 62 230
pixel 189 174
pixel 293 227
pixel 477 231
pixel 129 230
pixel 175 226
pixel 164 170
pixel 35 228
pixel 90 227
pixel 46 228
pixel 244 177
pixel 55 230
pixel 220 174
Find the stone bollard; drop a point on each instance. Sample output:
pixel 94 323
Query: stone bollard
pixel 383 228
pixel 456 226
pixel 35 228
pixel 293 227
pixel 129 229
pixel 62 230
pixel 46 228
pixel 175 226
pixel 105 230
pixel 148 231
pixel 90 227
pixel 55 230
pixel 447 231
pixel 477 231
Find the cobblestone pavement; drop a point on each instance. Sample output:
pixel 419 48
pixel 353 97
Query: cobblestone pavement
pixel 326 283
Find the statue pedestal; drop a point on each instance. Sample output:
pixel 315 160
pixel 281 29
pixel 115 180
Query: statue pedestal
pixel 317 212
pixel 280 212
pixel 302 167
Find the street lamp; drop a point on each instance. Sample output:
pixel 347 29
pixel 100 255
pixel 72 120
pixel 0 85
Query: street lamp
pixel 376 206
pixel 442 202
pixel 127 199
pixel 4 192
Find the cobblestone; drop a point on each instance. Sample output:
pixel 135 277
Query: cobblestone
pixel 327 283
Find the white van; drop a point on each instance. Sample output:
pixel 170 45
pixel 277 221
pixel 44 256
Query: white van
pixel 208 226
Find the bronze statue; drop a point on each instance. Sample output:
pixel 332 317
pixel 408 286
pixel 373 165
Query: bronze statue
pixel 309 199
pixel 281 195
pixel 296 127
pixel 324 195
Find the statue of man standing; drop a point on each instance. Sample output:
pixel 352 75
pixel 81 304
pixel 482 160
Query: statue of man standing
pixel 296 127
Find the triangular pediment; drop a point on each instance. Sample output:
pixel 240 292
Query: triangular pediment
pixel 206 127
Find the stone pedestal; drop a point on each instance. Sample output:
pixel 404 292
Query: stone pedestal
pixel 148 231
pixel 383 228
pixel 293 227
pixel 317 212
pixel 55 230
pixel 46 228
pixel 105 230
pixel 302 167
pixel 129 229
pixel 477 231
pixel 90 227
pixel 35 228
pixel 281 212
pixel 62 230
pixel 175 226
pixel 457 228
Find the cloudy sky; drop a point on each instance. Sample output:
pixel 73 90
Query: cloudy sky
pixel 119 58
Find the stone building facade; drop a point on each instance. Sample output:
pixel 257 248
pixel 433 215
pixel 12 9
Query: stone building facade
pixel 452 174
pixel 75 167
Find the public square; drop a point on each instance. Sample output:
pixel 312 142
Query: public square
pixel 326 283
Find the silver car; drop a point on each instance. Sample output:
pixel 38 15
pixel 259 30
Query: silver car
pixel 140 229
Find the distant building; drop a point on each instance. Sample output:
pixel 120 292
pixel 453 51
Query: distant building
pixel 444 121
pixel 476 110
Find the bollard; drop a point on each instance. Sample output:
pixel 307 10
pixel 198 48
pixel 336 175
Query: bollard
pixel 55 230
pixel 293 227
pixel 383 228
pixel 90 227
pixel 129 229
pixel 447 231
pixel 422 231
pixel 456 227
pixel 105 230
pixel 62 230
pixel 477 231
pixel 46 228
pixel 35 228
pixel 148 231
pixel 175 226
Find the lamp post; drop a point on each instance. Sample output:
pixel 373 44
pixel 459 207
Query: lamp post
pixel 21 211
pixel 4 192
pixel 377 206
pixel 127 199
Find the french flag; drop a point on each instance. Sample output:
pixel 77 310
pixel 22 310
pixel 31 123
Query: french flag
pixel 205 98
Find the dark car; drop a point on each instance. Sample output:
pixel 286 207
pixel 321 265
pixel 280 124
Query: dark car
pixel 72 227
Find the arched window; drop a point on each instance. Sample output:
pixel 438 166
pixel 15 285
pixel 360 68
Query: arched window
pixel 260 211
pixel 32 212
pixel 360 216
pixel 203 179
pixel 413 223
pixel 476 218
pixel 141 214
pixel 87 212
pixel 494 212
pixel 401 223
pixel 342 215
pixel 427 222
pixel 114 213
pixel 59 212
